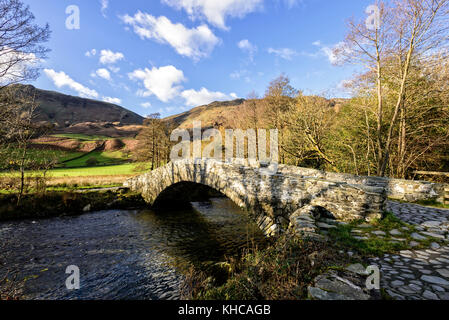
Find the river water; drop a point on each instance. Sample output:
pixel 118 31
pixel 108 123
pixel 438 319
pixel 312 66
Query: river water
pixel 122 254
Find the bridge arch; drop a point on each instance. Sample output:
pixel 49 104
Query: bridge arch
pixel 183 193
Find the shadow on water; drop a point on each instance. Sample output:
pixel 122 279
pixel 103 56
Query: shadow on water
pixel 122 254
pixel 207 232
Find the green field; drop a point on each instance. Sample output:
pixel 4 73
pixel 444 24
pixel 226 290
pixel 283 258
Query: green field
pixel 103 157
pixel 124 169
pixel 58 155
pixel 41 156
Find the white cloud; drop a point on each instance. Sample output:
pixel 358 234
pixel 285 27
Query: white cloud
pixel 345 84
pixel 238 74
pixel 332 53
pixel 248 47
pixel 91 53
pixel 292 3
pixel 171 110
pixel 103 73
pixel 241 74
pixel 104 7
pixel 112 100
pixel 60 79
pixel 109 57
pixel 146 105
pixel 114 69
pixel 197 98
pixel 216 11
pixel 284 53
pixel 194 43
pixel 161 82
pixel 14 65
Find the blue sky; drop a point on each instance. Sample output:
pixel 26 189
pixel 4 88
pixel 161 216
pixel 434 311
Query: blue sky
pixel 168 56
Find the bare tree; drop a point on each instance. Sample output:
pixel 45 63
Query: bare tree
pixel 308 126
pixel 408 31
pixel 18 128
pixel 280 98
pixel 21 42
pixel 21 50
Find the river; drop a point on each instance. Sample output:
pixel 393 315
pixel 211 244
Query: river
pixel 134 254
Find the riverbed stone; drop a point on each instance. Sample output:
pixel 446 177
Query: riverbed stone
pixel 425 271
pixel 433 235
pixel 397 283
pixel 325 226
pixel 430 295
pixel 435 280
pixel 341 286
pixel 435 245
pixel 357 268
pixel 444 272
pixel 414 244
pixel 418 237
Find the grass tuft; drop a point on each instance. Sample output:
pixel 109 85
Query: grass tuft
pixel 282 271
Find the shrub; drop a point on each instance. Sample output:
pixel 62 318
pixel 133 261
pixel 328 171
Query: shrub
pixel 92 162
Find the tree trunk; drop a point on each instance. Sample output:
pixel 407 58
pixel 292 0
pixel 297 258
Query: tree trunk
pixel 380 152
pixel 401 98
pixel 22 174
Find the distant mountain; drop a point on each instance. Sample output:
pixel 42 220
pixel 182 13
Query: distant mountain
pixel 65 111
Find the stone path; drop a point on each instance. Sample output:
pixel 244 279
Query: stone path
pixel 418 274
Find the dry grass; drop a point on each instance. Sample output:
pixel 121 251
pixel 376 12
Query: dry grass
pixel 11 184
pixel 10 289
pixel 281 271
pixel 89 181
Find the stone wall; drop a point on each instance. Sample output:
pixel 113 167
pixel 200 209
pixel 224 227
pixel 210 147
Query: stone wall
pixel 398 189
pixel 270 199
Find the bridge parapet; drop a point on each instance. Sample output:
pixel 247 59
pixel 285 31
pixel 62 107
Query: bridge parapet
pixel 271 200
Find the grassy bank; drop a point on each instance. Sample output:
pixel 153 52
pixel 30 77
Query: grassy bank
pixel 72 178
pixel 66 203
pixel 282 271
pixel 123 169
pixel 426 203
pixel 433 203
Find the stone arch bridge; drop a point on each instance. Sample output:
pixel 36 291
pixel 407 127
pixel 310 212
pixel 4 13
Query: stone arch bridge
pixel 271 200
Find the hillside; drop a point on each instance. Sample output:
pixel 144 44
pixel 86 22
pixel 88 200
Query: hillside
pixel 78 115
pixel 216 114
pixel 229 114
